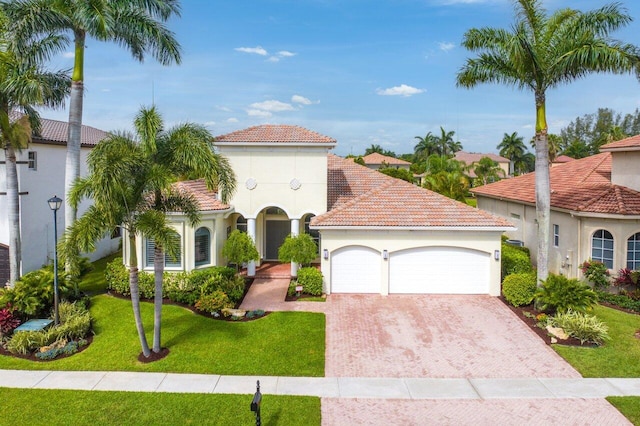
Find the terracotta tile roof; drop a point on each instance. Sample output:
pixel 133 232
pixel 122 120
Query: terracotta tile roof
pixel 377 158
pixel 474 157
pixel 563 159
pixel 632 143
pixel 275 133
pixel 579 185
pixel 359 196
pixel 55 132
pixel 207 199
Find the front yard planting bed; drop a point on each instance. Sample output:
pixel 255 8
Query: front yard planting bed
pixel 58 407
pixel 280 344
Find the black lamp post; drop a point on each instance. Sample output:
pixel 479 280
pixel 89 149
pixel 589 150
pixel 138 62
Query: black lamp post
pixel 54 204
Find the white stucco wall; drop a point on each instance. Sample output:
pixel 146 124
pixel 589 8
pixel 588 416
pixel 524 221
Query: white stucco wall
pixel 273 168
pixel 36 217
pixel 392 241
pixel 624 169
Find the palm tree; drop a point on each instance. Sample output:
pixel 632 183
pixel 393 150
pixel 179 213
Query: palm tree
pixel 577 149
pixel 488 171
pixel 24 84
pixel 137 25
pixel 183 151
pixel 513 148
pixel 446 144
pixel 541 52
pixel 426 146
pixel 373 149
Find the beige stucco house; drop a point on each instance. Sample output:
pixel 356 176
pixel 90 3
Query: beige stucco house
pixel 377 161
pixel 472 158
pixel 595 209
pixel 376 234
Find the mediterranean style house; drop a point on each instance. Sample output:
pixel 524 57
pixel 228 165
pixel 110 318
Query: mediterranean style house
pixel 377 161
pixel 471 158
pixel 595 209
pixel 41 169
pixel 376 234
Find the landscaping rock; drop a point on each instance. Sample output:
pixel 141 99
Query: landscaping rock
pixel 59 344
pixel 554 340
pixel 557 332
pixel 238 313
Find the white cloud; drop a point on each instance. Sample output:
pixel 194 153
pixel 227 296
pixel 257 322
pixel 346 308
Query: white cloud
pixel 223 108
pixel 258 50
pixel 258 113
pixel 402 90
pixel 209 123
pixel 272 106
pixel 274 59
pixel 446 46
pixel 68 55
pixel 286 54
pixel 297 99
pixel 232 120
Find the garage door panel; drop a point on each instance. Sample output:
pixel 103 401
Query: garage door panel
pixel 355 269
pixel 443 270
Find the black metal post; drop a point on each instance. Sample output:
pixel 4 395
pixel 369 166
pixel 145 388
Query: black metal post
pixel 255 404
pixel 55 267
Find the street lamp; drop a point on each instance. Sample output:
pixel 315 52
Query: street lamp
pixel 54 204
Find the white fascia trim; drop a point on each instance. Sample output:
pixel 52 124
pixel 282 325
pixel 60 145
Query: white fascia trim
pixel 621 149
pixel 307 144
pixel 415 228
pixel 225 211
pixel 604 215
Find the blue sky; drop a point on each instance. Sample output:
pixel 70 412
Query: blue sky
pixel 363 72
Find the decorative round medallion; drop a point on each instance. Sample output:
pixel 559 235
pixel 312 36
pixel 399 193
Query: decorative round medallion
pixel 251 183
pixel 295 184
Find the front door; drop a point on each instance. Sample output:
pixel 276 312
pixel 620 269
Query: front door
pixel 277 231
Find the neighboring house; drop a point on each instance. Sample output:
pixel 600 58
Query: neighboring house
pixel 378 161
pixel 595 209
pixel 471 158
pixel 376 234
pixel 41 169
pixel 562 159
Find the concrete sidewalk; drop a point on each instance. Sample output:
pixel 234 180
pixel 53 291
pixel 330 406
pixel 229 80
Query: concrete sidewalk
pixel 325 387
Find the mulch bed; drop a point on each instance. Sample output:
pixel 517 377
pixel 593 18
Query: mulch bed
pixel 32 356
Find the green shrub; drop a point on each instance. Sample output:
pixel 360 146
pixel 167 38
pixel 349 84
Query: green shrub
pixel 560 294
pixel 33 293
pixel 234 288
pixel 177 287
pixel 213 302
pixel 514 261
pixel 291 291
pixel 75 323
pixel 584 327
pixel 8 322
pixel 596 272
pixel 620 300
pixel 298 248
pixel 311 280
pixel 519 289
pixel 25 342
pixel 240 248
pixel 117 277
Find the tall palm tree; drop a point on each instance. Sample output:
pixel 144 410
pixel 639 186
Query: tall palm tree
pixel 541 52
pixel 488 171
pixel 512 147
pixel 446 144
pixel 24 84
pixel 426 146
pixel 137 25
pixel 184 151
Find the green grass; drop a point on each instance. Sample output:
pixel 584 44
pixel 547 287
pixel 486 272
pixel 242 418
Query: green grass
pixel 93 282
pixel 58 407
pixel 616 358
pixel 279 344
pixel 471 201
pixel 629 406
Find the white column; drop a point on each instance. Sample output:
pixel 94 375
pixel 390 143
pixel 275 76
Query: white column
pixel 219 237
pixel 295 230
pixel 251 230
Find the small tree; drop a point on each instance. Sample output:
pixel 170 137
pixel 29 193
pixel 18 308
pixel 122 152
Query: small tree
pixel 299 248
pixel 239 248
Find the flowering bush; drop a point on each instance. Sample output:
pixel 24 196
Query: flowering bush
pixel 596 272
pixel 627 278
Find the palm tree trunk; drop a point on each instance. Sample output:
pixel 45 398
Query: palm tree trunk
pixel 135 295
pixel 543 190
pixel 72 171
pixel 13 204
pixel 158 270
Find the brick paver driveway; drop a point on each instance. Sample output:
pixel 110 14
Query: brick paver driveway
pixel 433 336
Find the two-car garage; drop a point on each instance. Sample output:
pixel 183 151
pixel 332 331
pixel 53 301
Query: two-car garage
pixel 416 270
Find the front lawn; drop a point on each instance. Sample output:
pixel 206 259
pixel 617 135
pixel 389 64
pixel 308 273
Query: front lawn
pixel 616 358
pixel 629 406
pixel 93 282
pixel 71 407
pixel 279 344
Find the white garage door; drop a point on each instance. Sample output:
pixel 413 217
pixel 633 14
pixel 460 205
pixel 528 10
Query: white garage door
pixel 355 270
pixel 445 270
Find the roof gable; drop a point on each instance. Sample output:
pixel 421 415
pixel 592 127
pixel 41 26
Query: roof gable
pixel 275 133
pixel 629 144
pixel 377 158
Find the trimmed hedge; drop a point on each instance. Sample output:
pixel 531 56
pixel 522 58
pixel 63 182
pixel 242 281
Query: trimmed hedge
pixel 519 289
pixel 311 279
pixel 515 261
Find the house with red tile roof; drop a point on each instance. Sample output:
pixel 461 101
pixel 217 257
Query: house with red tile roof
pixel 471 158
pixel 595 209
pixel 377 161
pixel 41 169
pixel 376 234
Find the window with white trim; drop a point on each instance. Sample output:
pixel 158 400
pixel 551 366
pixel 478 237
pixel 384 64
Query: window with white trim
pixel 169 261
pixel 556 235
pixel 602 247
pixel 241 224
pixel 32 160
pixel 202 249
pixel 633 252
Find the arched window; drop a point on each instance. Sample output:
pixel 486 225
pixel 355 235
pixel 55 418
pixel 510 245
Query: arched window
pixel 169 261
pixel 602 247
pixel 241 224
pixel 633 252
pixel 202 247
